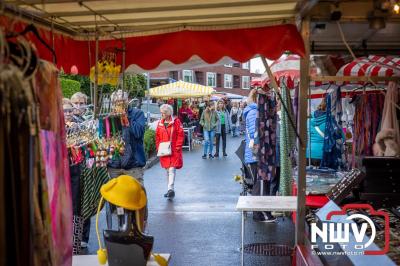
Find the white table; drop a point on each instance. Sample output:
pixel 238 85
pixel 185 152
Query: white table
pixel 189 135
pixel 91 260
pixel 263 203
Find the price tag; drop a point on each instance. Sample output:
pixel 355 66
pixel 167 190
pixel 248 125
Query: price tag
pixel 120 211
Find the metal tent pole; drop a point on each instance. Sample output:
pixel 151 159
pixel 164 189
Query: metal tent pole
pixel 302 125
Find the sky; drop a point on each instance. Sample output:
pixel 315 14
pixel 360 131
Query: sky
pixel 257 66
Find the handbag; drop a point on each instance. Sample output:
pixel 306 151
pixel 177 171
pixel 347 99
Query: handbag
pixel 253 145
pixel 164 148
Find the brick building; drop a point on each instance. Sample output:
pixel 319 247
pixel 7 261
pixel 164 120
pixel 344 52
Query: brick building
pixel 232 78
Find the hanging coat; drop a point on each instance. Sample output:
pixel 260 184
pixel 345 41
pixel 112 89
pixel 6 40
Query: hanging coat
pixel 163 135
pixel 250 116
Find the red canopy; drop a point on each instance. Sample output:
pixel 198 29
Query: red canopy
pixel 149 51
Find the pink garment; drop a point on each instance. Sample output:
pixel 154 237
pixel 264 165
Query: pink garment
pixel 389 116
pixel 59 195
pixel 56 170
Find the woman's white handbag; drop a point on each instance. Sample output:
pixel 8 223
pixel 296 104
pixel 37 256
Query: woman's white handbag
pixel 164 148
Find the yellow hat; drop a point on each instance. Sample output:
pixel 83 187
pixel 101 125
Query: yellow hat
pixel 124 191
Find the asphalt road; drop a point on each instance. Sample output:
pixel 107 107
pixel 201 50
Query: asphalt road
pixel 201 226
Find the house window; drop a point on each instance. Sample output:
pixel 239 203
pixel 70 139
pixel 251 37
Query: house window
pixel 246 65
pixel 199 77
pixel 246 82
pixel 228 81
pixel 219 80
pixel 188 75
pixel 211 79
pixel 228 65
pixel 174 75
pixel 236 82
pixel 236 64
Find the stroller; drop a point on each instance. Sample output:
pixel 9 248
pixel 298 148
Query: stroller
pixel 247 177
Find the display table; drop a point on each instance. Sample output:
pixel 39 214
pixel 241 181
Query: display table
pixel 91 260
pixel 188 137
pixel 263 203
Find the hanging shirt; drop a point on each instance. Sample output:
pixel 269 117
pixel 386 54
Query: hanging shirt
pixel 222 118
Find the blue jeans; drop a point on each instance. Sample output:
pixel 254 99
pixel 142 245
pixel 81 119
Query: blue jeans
pixel 208 141
pixel 234 131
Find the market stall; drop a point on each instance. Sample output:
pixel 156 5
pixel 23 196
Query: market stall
pixel 369 87
pixel 180 90
pixel 149 45
pixel 151 32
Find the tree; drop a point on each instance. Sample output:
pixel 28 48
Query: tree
pixel 135 84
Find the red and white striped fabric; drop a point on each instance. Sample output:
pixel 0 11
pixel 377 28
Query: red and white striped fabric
pixel 373 66
pixel 288 68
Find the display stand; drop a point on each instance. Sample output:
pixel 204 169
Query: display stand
pixel 263 203
pixel 91 260
pixel 189 137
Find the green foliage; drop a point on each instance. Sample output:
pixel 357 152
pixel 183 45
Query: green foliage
pixel 149 142
pixel 83 80
pixel 134 84
pixel 69 87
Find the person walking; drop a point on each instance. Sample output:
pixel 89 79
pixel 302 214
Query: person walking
pixel 235 115
pixel 209 122
pixel 170 131
pixel 242 121
pixel 260 187
pixel 223 126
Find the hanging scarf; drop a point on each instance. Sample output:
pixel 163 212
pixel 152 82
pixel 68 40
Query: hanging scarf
pixel 287 143
pixel 367 120
pixel 267 118
pixel 333 139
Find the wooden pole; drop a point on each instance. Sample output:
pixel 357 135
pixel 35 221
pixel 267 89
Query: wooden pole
pixel 96 77
pixel 123 64
pixel 302 125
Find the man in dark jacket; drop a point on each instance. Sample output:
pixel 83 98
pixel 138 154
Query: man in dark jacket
pixel 133 160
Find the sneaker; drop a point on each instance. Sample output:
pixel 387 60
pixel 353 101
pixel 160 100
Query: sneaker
pixel 210 156
pixel 225 154
pixel 264 220
pixel 216 155
pixel 84 244
pixel 170 194
pixel 204 156
pixel 260 217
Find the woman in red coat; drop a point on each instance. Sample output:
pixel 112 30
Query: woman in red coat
pixel 170 129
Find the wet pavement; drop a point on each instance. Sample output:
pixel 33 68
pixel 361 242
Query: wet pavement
pixel 201 226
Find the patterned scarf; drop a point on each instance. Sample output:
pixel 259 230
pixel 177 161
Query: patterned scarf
pixel 267 118
pixel 287 143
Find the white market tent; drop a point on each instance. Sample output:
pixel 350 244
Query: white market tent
pixel 180 90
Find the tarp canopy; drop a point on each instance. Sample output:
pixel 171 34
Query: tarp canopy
pixel 230 96
pixel 180 90
pixel 211 41
pixel 288 68
pixel 371 66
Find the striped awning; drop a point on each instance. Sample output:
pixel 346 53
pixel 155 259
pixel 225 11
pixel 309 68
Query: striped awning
pixel 288 68
pixel 180 89
pixel 371 66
